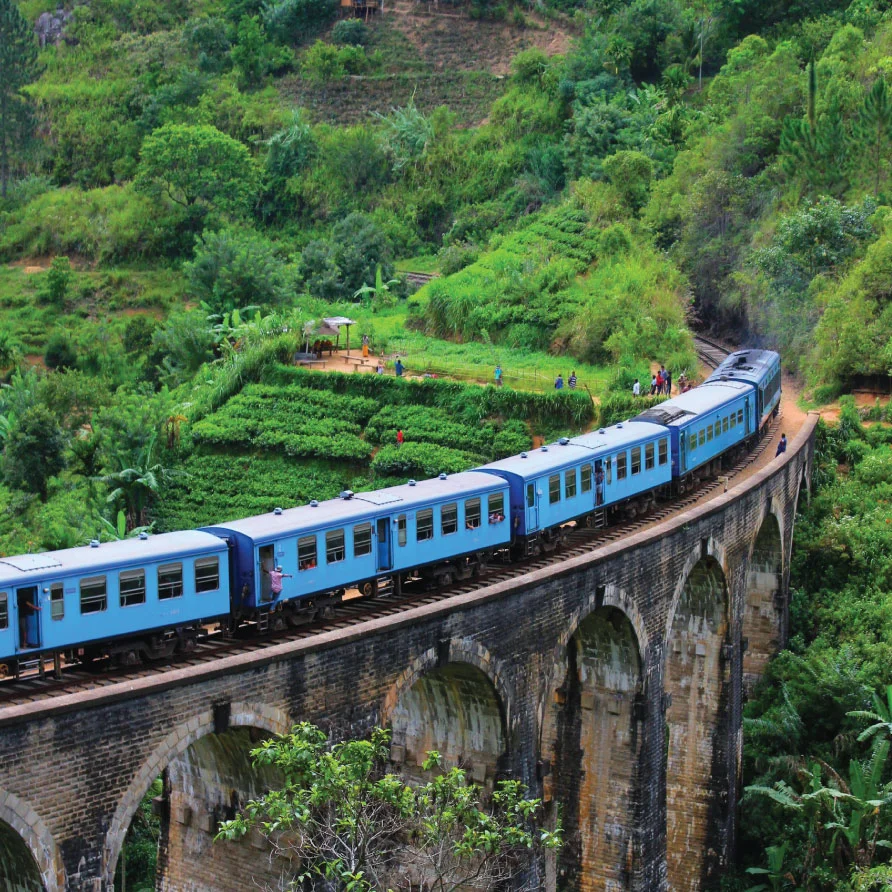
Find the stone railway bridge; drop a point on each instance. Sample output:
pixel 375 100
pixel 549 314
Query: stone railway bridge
pixel 611 683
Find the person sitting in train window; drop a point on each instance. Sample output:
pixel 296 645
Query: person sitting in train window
pixel 496 518
pixel 275 580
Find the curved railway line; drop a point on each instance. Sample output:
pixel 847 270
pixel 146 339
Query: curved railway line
pixel 36 686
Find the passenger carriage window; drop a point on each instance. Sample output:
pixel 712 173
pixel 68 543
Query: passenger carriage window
pixel 401 530
pixel 496 508
pixel 570 484
pixel 554 488
pixel 57 600
pixel 531 495
pixel 718 428
pixel 362 539
pixel 636 460
pixel 306 553
pixel 709 434
pixel 725 425
pixel 621 459
pixel 472 514
pixel 4 610
pixel 425 527
pixel 701 437
pixel 663 451
pixel 131 587
pixel 93 594
pixel 170 581
pixel 733 419
pixel 334 546
pixel 449 518
pixel 609 464
pixel 740 416
pixel 648 456
pixel 207 574
pixel 585 473
pixel 692 442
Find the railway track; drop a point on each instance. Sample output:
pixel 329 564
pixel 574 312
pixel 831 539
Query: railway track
pixel 75 679
pixel 710 352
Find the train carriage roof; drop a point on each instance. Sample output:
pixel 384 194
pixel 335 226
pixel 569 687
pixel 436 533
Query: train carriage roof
pixel 361 505
pixel 708 397
pixel 17 569
pixel 574 451
pixel 747 365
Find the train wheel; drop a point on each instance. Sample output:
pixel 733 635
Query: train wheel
pixel 367 589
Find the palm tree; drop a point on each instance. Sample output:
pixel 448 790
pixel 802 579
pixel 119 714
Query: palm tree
pixel 136 485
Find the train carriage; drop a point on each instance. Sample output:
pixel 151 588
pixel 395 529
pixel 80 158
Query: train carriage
pixel 141 593
pixel 759 368
pixel 328 546
pixel 705 423
pixel 574 477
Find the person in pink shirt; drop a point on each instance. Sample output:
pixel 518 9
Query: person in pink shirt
pixel 275 580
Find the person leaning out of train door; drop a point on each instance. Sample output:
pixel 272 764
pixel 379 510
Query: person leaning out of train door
pixel 275 580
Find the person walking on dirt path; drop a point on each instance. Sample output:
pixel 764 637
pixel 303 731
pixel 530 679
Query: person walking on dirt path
pixel 781 446
pixel 398 367
pixel 571 381
pixel 366 343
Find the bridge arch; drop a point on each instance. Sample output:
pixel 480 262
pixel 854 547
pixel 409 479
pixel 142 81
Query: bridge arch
pixel 30 839
pixel 591 740
pixel 763 611
pixel 453 699
pixel 175 744
pixel 695 694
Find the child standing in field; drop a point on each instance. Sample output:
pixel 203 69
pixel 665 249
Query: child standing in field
pixel 498 375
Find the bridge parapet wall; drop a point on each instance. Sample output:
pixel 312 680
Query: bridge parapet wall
pixel 573 659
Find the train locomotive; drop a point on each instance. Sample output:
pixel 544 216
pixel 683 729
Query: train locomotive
pixel 150 597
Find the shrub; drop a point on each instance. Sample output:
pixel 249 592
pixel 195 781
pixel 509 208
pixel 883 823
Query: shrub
pixel 60 352
pixel 54 287
pixel 422 460
pixel 237 268
pixel 352 32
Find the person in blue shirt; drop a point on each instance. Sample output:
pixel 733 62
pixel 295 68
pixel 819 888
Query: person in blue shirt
pixel 498 375
pixel 571 381
pixel 559 382
pixel 782 446
pixel 399 368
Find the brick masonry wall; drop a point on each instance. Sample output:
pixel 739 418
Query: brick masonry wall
pixel 72 773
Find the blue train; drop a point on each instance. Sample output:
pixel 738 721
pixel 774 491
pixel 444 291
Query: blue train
pixel 152 596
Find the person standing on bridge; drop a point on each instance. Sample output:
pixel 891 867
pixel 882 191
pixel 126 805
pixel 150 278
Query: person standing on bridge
pixel 781 446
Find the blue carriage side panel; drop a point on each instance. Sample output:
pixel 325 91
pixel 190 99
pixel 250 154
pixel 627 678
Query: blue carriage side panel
pixel 633 457
pixel 119 589
pixel 547 486
pixel 759 368
pixel 338 543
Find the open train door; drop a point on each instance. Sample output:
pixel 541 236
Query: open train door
pixel 27 607
pixel 385 555
pixel 532 508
